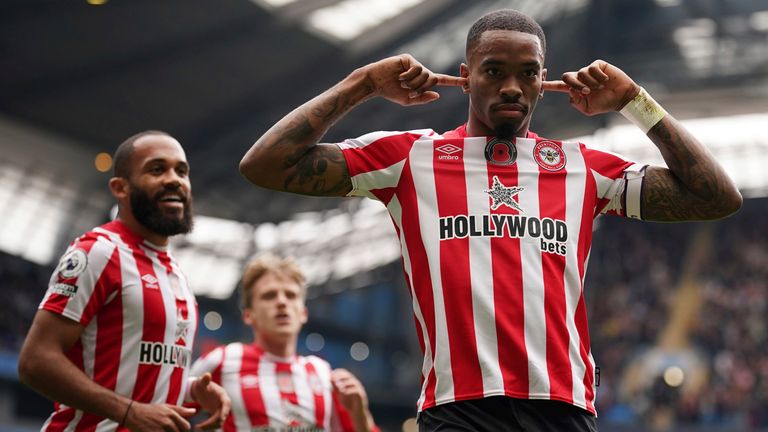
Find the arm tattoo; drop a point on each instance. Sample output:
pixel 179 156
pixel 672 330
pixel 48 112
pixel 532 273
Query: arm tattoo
pixel 311 168
pixel 693 188
pixel 315 173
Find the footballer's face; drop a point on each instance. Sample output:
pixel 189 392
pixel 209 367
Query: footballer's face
pixel 505 72
pixel 277 308
pixel 160 190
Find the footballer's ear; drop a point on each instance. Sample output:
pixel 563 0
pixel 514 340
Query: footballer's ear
pixel 119 187
pixel 464 73
pixel 247 317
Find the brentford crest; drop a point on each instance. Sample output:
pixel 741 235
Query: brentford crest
pixel 549 156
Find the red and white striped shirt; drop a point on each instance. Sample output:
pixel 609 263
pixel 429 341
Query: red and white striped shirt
pixel 271 393
pixel 495 254
pixel 139 317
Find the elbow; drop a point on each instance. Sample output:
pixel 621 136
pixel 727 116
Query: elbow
pixel 734 203
pixel 245 167
pixel 728 205
pixel 249 169
pixel 26 369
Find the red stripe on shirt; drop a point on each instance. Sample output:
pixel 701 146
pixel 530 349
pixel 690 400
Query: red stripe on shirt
pixel 422 284
pixel 585 243
pixel 153 327
pixel 385 151
pixel 317 394
pixel 252 397
pixel 177 375
pixel 451 190
pixel 506 265
pixel 552 204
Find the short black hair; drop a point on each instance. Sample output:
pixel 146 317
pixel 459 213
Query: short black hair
pixel 121 165
pixel 505 19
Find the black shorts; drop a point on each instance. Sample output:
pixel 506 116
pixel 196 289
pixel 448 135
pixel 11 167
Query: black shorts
pixel 501 413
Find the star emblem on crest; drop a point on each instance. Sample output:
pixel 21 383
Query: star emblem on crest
pixel 501 194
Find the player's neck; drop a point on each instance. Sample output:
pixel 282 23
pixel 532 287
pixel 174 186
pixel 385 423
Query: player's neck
pixel 476 128
pixel 284 347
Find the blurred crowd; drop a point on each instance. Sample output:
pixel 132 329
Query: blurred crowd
pixel 634 272
pixel 22 285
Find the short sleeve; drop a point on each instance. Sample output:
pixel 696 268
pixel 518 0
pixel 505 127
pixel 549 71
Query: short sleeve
pixel 618 183
pixel 208 363
pixel 376 160
pixel 86 277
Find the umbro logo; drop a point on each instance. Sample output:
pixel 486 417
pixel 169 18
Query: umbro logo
pixel 448 151
pixel 150 280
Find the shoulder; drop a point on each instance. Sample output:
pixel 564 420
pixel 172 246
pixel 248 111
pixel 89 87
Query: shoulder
pixel 317 362
pixel 89 247
pixel 372 137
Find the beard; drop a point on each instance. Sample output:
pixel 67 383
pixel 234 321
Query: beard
pixel 505 130
pixel 148 212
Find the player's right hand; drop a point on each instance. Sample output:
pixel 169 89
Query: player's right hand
pixel 158 418
pixel 403 80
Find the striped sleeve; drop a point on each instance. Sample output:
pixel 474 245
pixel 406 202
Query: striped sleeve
pixel 618 183
pixel 87 276
pixel 376 160
pixel 210 362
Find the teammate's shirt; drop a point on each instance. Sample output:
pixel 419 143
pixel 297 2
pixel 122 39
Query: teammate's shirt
pixel 271 393
pixel 495 239
pixel 139 317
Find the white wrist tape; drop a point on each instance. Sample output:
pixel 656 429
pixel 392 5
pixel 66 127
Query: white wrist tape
pixel 643 111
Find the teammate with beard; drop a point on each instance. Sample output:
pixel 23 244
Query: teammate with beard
pixel 112 341
pixel 495 222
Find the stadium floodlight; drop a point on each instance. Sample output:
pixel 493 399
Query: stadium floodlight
pixel 273 4
pixel 348 19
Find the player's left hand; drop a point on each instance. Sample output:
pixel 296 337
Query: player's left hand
pixel 597 88
pixel 213 399
pixel 351 392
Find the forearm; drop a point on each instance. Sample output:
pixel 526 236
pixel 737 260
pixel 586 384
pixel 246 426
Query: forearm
pixel 67 384
pixel 269 161
pixel 363 420
pixel 694 186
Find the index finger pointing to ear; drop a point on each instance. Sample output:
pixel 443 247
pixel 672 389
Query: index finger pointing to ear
pixel 450 80
pixel 557 86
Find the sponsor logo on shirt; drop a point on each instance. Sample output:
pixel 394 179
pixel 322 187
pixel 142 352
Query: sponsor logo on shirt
pixel 158 353
pixel 150 281
pixel 549 156
pixel 66 290
pixel 72 264
pixel 552 233
pixel 448 151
